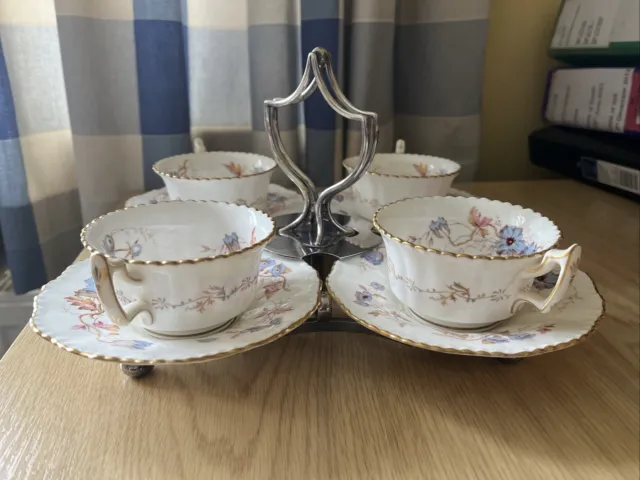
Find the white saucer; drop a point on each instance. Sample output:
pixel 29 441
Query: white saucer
pixel 361 288
pixel 67 312
pixel 280 200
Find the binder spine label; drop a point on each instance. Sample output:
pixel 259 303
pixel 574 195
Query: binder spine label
pixel 585 24
pixel 592 98
pixel 610 174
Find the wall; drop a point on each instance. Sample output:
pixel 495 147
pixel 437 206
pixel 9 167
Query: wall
pixel 515 66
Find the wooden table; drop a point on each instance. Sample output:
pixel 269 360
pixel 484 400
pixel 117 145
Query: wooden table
pixel 342 406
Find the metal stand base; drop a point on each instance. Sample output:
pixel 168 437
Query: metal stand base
pixel 299 245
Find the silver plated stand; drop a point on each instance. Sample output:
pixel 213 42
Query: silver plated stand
pixel 316 230
pixel 316 234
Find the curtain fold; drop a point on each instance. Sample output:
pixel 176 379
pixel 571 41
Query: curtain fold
pixel 92 93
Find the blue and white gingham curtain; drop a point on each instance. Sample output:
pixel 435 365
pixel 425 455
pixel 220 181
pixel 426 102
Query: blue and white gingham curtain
pixel 93 92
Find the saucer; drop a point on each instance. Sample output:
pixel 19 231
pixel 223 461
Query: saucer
pixel 67 313
pixel 280 200
pixel 360 286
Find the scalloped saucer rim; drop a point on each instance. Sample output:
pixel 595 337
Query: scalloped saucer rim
pixel 360 286
pixel 280 200
pixel 68 314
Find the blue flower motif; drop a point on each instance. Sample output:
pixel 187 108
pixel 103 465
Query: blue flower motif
pixel 136 249
pixel 140 344
pixel 377 286
pixel 275 321
pixel 89 285
pixel 231 242
pixel 521 336
pixel 529 249
pixel 439 226
pixel 266 263
pixel 278 269
pixel 510 241
pixel 374 257
pixel 363 298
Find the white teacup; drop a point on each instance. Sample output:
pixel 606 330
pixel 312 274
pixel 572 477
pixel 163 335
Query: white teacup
pixel 186 267
pixel 468 263
pixel 235 177
pixel 396 176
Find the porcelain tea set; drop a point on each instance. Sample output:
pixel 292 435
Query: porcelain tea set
pixel 221 261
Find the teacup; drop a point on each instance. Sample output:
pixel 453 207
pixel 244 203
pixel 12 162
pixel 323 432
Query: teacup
pixel 396 176
pixel 186 267
pixel 235 177
pixel 468 263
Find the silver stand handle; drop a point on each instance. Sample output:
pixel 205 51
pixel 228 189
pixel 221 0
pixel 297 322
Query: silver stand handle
pixel 308 231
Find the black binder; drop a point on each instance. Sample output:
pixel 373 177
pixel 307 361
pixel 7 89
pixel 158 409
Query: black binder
pixel 607 160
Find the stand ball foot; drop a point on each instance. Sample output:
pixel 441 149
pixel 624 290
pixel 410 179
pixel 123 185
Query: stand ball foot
pixel 510 360
pixel 136 371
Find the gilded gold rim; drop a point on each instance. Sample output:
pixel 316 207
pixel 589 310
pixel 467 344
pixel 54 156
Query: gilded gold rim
pixel 474 353
pixel 157 170
pixel 206 358
pixel 390 175
pixel 264 241
pixel 464 255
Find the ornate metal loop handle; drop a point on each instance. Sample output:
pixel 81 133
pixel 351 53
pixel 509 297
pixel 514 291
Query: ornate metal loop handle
pixel 318 206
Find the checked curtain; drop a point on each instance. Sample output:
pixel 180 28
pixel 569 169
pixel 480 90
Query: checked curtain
pixel 93 92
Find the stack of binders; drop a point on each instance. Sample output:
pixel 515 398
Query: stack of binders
pixel 593 105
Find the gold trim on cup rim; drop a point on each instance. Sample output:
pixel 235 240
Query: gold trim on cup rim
pixel 157 170
pixel 474 353
pixel 465 255
pixel 205 358
pixel 390 175
pixel 265 240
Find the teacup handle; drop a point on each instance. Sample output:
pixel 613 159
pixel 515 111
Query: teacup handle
pixel 198 145
pixel 568 260
pixel 102 271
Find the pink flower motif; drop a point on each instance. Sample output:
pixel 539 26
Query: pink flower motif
pixel 479 221
pixel 271 289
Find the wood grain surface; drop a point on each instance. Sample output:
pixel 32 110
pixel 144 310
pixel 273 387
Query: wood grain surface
pixel 353 406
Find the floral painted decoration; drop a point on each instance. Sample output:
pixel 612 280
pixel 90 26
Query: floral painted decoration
pixel 452 293
pixel 480 234
pixel 422 169
pixel 276 202
pixel 372 258
pixel 372 297
pixel 92 318
pixel 234 168
pixel 239 170
pixel 128 247
pixel 206 298
pixel 231 242
pixel 182 169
